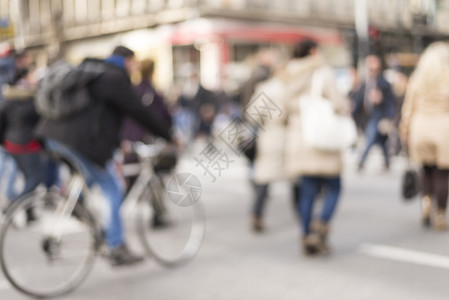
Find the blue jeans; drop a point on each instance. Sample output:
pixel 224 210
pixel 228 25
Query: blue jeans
pixel 185 122
pixel 373 137
pixel 8 167
pixel 109 182
pixel 310 188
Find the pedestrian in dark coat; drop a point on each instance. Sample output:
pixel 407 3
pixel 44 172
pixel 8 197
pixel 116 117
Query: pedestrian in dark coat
pixel 374 103
pixel 18 119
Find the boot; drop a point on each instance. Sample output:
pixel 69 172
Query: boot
pixel 322 229
pixel 121 256
pixel 426 210
pixel 311 244
pixel 257 224
pixel 440 222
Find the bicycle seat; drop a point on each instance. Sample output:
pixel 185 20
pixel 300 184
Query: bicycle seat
pixel 148 150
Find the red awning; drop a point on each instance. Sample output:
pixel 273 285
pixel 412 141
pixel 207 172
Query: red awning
pixel 205 29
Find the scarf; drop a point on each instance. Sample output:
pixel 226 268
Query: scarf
pixel 116 60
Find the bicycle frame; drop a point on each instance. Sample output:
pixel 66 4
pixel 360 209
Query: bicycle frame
pixel 65 208
pixel 137 189
pixel 77 186
pixel 145 176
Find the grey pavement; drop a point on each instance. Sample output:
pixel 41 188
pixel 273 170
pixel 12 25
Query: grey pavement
pixel 380 251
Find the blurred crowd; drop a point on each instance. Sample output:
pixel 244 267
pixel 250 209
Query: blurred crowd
pixel 401 117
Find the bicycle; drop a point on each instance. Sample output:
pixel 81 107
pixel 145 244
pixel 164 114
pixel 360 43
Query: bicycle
pixel 53 253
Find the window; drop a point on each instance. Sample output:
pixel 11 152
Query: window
pixel 45 15
pixel 156 5
pixel 122 8
pixel 81 11
pixel 107 9
pixel 34 16
pixel 139 7
pixel 94 11
pixel 68 8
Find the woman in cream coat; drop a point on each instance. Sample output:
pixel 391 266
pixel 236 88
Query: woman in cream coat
pixel 425 129
pixel 283 153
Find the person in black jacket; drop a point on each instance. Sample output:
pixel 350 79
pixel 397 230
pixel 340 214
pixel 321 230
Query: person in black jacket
pixel 374 103
pixel 151 99
pixel 91 137
pixel 9 63
pixel 132 132
pixel 18 118
pixel 201 106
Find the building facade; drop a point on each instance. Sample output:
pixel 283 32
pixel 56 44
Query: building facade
pixel 213 33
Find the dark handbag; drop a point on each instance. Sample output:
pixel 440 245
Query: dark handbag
pixel 249 149
pixel 410 183
pixel 247 141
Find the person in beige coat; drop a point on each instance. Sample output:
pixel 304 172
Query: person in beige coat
pixel 282 152
pixel 425 130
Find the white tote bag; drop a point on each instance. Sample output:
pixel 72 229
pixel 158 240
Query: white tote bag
pixel 322 127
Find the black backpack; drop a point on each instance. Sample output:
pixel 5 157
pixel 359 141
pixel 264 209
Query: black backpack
pixel 64 92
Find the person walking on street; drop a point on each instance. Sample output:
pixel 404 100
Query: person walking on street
pixel 261 73
pixel 374 105
pixel 266 61
pixel 317 170
pixel 151 99
pixel 425 130
pixel 282 151
pixel 18 119
pixel 132 131
pixel 200 104
pixel 90 137
pixel 10 61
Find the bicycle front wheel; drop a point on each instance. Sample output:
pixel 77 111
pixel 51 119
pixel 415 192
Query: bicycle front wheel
pixel 171 234
pixel 43 252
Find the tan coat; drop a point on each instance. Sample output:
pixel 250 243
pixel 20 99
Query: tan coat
pixel 281 150
pixel 425 124
pixel 271 135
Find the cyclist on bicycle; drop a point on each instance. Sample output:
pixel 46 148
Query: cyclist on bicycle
pixel 90 137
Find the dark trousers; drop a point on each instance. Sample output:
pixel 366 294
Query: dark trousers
pixel 261 196
pixel 435 184
pixel 36 168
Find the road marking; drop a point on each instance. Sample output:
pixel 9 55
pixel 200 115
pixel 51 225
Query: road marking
pixel 405 255
pixel 4 285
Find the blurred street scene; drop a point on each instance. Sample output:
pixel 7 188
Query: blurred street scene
pixel 276 149
pixel 380 250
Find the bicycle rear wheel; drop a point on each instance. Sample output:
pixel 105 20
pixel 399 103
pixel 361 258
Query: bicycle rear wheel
pixel 44 253
pixel 171 234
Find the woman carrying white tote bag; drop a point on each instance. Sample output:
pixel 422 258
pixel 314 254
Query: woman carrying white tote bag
pixel 323 128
